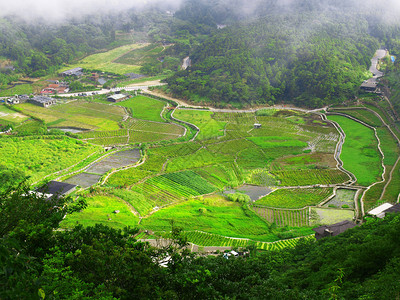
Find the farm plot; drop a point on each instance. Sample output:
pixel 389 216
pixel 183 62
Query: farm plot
pixel 149 137
pixel 284 217
pixel 105 61
pixel 100 210
pixel 208 240
pixel 260 177
pixel 344 198
pixel 84 180
pixel 360 153
pixel 176 150
pixel 142 205
pixel 221 175
pixel 8 116
pixel 295 198
pixel 140 56
pixel 327 216
pixel 254 192
pixel 144 108
pixel 201 158
pixel 185 183
pixel 110 141
pixel 37 157
pixel 214 215
pixel 362 115
pixel 304 161
pixel 393 190
pixel 115 161
pixel 94 116
pixel 102 134
pixel 278 146
pixel 155 127
pixel 310 177
pixel 230 147
pixel 209 127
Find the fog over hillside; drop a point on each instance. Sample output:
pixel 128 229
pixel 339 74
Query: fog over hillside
pixel 57 10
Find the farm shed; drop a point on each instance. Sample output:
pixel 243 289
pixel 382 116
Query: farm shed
pixel 379 211
pixel 42 101
pixel 117 97
pixel 332 230
pixel 394 209
pixel 57 188
pixel 77 72
pixel 257 125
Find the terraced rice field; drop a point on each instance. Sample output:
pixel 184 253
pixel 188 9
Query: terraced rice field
pixel 290 149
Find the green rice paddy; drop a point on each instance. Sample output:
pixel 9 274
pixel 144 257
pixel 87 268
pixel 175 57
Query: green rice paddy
pixel 360 154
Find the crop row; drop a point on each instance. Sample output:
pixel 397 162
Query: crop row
pixel 119 140
pixel 295 198
pixel 142 125
pixel 282 217
pixel 186 183
pixel 210 240
pixel 149 137
pixel 176 150
pixel 102 134
pixel 220 175
pixel 310 177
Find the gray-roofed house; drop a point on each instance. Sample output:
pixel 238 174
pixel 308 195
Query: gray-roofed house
pixel 42 101
pixel 369 85
pixel 333 230
pixel 117 97
pixel 77 72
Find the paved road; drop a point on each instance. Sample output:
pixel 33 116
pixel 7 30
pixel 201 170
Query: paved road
pixel 105 91
pixel 379 54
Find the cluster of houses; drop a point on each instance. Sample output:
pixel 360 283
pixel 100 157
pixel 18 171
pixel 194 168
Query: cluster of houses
pixel 56 87
pixel 37 100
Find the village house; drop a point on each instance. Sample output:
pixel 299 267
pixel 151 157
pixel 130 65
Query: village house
pixel 42 101
pixel 369 85
pixel 55 88
pixel 333 230
pixel 77 72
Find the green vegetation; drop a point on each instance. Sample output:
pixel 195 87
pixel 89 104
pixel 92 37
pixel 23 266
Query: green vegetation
pixel 101 210
pixel 360 154
pixel 295 198
pixel 208 126
pixel 40 259
pixel 107 61
pixel 213 215
pixel 77 114
pixel 144 108
pixel 37 157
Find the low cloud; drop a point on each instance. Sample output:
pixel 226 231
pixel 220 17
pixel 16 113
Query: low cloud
pixel 54 10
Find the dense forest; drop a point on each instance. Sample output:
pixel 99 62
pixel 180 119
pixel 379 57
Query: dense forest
pixel 40 262
pixel 309 58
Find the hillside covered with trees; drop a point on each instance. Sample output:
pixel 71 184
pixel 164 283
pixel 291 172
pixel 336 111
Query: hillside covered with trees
pixel 310 58
pixel 40 262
